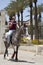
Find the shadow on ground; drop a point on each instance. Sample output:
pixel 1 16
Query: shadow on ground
pixel 24 61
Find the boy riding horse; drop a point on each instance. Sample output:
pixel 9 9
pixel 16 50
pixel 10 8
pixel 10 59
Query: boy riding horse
pixel 12 28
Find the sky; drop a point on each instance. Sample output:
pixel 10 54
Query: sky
pixel 4 3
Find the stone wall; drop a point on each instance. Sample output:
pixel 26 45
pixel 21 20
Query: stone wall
pixel 2 30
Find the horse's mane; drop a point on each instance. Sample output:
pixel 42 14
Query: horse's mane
pixel 18 32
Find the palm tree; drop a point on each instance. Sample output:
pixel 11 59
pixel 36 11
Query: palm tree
pixel 31 23
pixel 12 8
pixel 18 18
pixel 39 11
pixel 36 22
pixel 17 7
pixel 29 4
pixel 21 6
pixel 21 17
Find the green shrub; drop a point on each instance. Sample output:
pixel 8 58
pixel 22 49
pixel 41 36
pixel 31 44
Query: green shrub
pixel 37 42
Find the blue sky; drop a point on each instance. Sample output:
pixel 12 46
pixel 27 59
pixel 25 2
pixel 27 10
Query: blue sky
pixel 4 3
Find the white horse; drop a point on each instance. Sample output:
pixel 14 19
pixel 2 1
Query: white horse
pixel 15 40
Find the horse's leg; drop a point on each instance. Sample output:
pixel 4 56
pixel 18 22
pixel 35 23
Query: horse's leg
pixel 13 52
pixel 16 58
pixel 6 52
pixel 13 55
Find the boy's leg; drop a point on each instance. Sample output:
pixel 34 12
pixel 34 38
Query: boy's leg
pixel 11 33
pixel 7 36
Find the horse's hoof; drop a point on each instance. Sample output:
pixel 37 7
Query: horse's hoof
pixel 16 60
pixel 12 57
pixel 4 56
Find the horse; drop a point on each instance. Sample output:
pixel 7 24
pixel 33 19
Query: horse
pixel 15 42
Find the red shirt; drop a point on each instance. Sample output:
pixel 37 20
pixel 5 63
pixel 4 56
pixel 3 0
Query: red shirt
pixel 13 25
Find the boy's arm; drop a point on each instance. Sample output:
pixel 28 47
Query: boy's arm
pixel 9 24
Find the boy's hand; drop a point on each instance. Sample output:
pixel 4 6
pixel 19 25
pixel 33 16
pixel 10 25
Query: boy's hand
pixel 10 24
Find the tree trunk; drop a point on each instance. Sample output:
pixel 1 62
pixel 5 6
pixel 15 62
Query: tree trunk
pixel 18 19
pixel 40 24
pixel 36 23
pixel 31 23
pixel 21 17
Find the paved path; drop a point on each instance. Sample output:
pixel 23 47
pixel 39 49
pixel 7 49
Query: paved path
pixel 25 58
pixel 38 49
